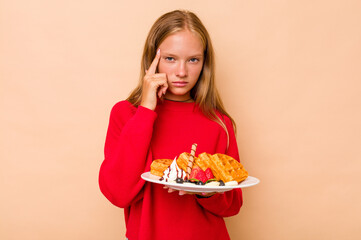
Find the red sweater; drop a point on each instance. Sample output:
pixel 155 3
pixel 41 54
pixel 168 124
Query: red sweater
pixel 137 136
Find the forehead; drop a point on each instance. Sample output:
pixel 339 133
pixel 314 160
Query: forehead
pixel 182 43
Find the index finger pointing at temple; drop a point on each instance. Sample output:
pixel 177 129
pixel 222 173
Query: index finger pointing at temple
pixel 153 66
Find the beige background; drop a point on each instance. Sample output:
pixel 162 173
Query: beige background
pixel 289 73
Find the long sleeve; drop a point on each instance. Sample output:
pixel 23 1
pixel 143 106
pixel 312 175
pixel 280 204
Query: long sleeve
pixel 127 153
pixel 229 203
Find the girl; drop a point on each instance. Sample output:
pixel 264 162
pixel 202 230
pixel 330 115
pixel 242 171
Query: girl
pixel 175 105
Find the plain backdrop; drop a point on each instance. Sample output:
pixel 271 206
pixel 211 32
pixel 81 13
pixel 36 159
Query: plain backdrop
pixel 288 72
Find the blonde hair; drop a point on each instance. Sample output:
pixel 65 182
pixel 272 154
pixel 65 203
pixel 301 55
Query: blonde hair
pixel 204 92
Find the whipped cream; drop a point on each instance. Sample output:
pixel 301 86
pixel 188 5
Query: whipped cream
pixel 231 183
pixel 173 172
pixel 213 184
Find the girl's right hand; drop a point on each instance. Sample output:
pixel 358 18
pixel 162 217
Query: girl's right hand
pixel 154 84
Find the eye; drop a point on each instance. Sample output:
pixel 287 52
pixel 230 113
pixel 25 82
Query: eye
pixel 169 59
pixel 194 60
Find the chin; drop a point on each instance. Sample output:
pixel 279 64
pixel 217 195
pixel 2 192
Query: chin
pixel 179 92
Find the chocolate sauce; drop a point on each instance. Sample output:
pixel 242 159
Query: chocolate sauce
pixel 162 178
pixel 177 176
pixel 181 175
pixel 168 172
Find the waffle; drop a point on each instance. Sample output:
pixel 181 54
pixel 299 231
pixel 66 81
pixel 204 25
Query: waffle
pixel 223 167
pixel 205 161
pixel 182 160
pixel 228 168
pixel 158 166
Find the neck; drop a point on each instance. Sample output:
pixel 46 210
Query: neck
pixel 187 100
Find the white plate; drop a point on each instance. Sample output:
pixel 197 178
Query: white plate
pixel 250 181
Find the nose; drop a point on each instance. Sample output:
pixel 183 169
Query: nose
pixel 182 70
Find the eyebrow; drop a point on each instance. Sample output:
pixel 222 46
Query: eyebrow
pixel 174 55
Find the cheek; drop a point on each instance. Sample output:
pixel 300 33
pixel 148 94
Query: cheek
pixel 164 68
pixel 195 71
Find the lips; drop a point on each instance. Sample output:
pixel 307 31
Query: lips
pixel 179 84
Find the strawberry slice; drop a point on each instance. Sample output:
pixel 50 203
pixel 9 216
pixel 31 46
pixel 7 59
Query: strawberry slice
pixel 209 174
pixel 194 172
pixel 198 174
pixel 201 176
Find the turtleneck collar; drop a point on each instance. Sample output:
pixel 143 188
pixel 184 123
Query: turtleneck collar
pixel 176 106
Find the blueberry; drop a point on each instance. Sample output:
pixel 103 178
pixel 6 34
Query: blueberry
pixel 221 183
pixel 199 183
pixel 179 180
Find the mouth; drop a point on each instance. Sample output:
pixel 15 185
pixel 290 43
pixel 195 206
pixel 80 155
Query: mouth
pixel 179 84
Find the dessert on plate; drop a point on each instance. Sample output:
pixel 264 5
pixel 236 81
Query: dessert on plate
pixel 206 169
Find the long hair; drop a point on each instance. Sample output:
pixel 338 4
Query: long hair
pixel 204 92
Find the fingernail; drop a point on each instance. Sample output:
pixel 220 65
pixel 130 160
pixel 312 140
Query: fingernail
pixel 158 51
pixel 181 193
pixel 203 193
